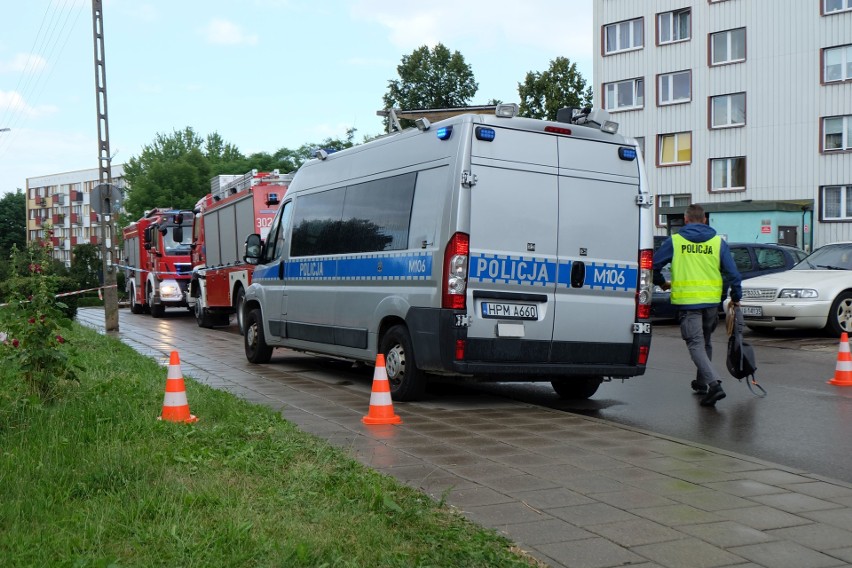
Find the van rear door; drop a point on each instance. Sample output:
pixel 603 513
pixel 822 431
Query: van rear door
pixel 514 216
pixel 598 254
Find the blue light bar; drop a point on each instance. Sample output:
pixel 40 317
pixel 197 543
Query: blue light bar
pixel 485 134
pixel 444 132
pixel 628 154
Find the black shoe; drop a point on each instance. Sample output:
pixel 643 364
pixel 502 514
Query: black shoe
pixel 714 394
pixel 698 388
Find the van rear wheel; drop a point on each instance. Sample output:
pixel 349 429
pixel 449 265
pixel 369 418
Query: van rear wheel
pixel 257 351
pixel 577 388
pixel 135 306
pixel 407 382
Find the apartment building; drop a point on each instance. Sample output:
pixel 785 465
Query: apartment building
pixel 63 202
pixel 744 106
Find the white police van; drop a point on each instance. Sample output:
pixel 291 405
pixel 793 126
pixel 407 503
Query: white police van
pixel 492 247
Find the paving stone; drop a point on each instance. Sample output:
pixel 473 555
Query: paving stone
pixel 838 517
pixel 476 495
pixel 763 518
pixel 551 498
pixel 727 533
pixel 777 477
pixel 591 553
pixel 818 536
pixel 632 499
pixel 795 503
pixel 636 532
pixel 676 515
pixel 591 514
pixel 687 553
pixel 501 514
pixel 781 554
pixel 518 483
pixel 547 531
pixel 820 489
pixel 708 500
pixel 744 487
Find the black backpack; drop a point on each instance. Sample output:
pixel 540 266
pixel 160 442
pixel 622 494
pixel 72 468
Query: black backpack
pixel 740 362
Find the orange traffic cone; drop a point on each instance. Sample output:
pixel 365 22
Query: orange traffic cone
pixel 381 407
pixel 175 405
pixel 843 370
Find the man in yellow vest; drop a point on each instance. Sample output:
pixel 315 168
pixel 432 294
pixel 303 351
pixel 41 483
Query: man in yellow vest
pixel 700 261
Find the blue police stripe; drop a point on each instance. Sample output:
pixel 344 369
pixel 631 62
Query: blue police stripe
pixel 605 276
pixel 417 266
pixel 521 270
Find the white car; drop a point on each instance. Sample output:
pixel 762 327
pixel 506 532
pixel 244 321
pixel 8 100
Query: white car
pixel 816 293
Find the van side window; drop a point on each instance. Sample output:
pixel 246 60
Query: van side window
pixel 366 217
pixel 275 240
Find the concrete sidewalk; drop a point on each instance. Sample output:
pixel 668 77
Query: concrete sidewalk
pixel 573 491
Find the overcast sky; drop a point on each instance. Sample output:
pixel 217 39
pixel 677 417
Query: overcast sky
pixel 264 74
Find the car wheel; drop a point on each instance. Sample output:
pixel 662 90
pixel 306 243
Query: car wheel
pixel 407 382
pixel 576 388
pixel 257 351
pixel 840 315
pixel 239 303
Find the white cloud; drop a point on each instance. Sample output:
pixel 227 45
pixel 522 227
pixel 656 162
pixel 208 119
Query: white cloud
pixel 224 32
pixel 16 106
pixel 23 62
pixel 542 24
pixel 29 153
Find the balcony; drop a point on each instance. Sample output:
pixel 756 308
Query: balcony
pixel 77 196
pixel 73 241
pixel 38 221
pixel 55 241
pixel 76 219
pixel 93 239
pixel 58 218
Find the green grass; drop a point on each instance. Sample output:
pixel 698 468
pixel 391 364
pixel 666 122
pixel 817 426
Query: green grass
pixel 96 480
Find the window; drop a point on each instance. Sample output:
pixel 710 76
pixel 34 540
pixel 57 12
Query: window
pixel 728 174
pixel 831 6
pixel 674 88
pixel 625 95
pixel 367 217
pixel 837 64
pixel 837 133
pixel 728 110
pixel 728 46
pixel 675 149
pixel 837 203
pixel 673 200
pixel 742 258
pixel 673 26
pixel 623 36
pixel 770 258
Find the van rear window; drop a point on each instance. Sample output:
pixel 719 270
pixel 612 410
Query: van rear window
pixel 366 217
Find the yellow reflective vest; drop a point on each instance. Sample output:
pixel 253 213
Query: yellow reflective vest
pixel 696 276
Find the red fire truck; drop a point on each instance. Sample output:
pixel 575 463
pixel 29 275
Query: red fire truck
pixel 237 206
pixel 157 262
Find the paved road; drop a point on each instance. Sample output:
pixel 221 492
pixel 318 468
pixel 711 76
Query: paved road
pixel 572 490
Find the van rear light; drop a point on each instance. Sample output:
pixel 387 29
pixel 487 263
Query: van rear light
pixel 455 272
pixel 558 130
pixel 459 349
pixel 646 278
pixel 643 354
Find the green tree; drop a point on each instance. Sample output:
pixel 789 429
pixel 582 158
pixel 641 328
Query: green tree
pixel 175 171
pixel 86 265
pixel 544 93
pixel 13 223
pixel 431 79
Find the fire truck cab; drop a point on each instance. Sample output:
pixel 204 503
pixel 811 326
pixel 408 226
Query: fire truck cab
pixel 157 267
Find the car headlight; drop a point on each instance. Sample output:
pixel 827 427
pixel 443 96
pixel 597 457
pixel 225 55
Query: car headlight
pixel 168 290
pixel 798 293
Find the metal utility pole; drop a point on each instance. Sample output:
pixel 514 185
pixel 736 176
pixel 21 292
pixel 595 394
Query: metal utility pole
pixel 105 186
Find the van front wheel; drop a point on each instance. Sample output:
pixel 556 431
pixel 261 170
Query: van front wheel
pixel 257 351
pixel 407 382
pixel 577 388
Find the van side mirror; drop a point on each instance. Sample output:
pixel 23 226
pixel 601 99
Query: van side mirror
pixel 254 249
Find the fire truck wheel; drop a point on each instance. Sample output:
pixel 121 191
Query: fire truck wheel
pixel 407 382
pixel 257 351
pixel 135 306
pixel 239 304
pixel 203 315
pixel 157 310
